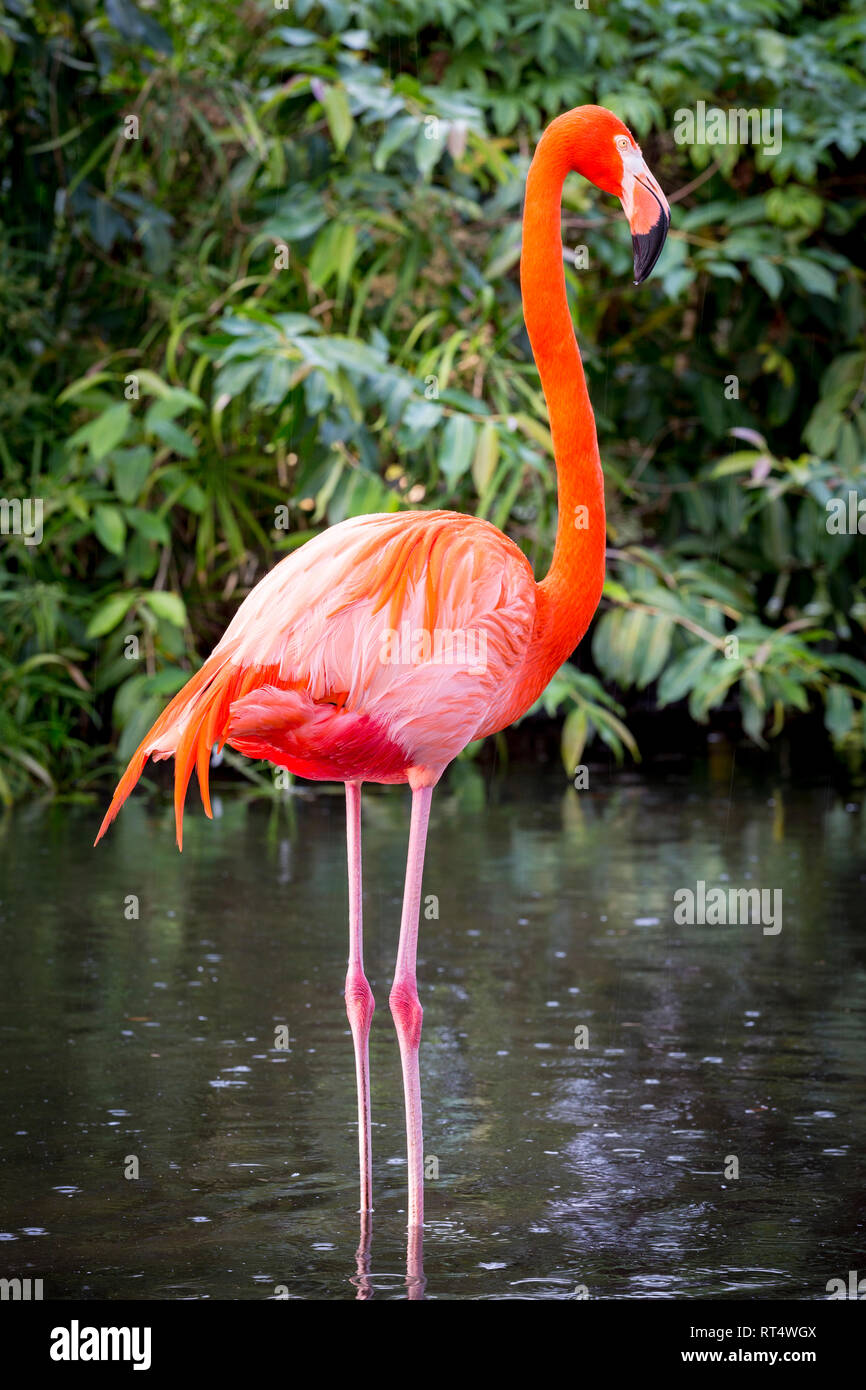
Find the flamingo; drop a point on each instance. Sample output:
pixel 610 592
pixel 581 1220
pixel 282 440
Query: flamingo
pixel 379 649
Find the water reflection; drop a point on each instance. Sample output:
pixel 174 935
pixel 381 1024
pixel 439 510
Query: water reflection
pixel 143 993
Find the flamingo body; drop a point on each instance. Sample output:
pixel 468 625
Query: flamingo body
pixel 374 653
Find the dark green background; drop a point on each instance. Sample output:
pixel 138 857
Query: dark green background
pixel 385 145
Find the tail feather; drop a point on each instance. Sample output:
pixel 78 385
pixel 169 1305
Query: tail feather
pixel 202 763
pixel 124 787
pixel 184 758
pixel 188 728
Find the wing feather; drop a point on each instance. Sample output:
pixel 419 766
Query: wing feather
pixel 418 621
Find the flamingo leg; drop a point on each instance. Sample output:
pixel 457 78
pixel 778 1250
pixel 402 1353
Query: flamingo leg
pixel 405 1007
pixel 359 996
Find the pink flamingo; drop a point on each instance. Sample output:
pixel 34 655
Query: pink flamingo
pixel 341 665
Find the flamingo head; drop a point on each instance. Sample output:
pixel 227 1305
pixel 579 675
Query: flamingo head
pixel 608 154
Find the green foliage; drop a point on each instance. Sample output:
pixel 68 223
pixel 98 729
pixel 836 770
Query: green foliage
pixel 288 295
pixel 592 712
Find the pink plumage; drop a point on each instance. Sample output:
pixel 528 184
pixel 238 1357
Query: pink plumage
pixel 374 653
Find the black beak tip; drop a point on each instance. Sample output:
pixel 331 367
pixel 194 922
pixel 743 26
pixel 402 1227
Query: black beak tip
pixel 647 248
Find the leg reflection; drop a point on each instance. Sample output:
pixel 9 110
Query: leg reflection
pixel 361 1278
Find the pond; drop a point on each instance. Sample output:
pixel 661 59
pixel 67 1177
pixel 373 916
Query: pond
pixel 617 1104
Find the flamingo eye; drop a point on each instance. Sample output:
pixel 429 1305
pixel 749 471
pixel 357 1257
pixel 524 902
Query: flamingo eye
pixel 623 143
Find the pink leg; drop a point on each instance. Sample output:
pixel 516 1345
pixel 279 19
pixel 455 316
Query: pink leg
pixel 415 1281
pixel 405 1007
pixel 359 996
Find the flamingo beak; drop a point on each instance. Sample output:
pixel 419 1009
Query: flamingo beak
pixel 648 213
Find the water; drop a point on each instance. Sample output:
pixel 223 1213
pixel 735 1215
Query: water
pixel 609 1167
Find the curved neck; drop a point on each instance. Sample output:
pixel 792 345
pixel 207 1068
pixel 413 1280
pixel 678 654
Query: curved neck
pixel 570 592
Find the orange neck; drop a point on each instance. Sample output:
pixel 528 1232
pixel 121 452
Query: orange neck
pixel 569 594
